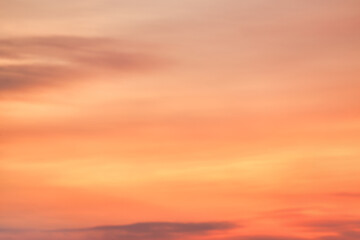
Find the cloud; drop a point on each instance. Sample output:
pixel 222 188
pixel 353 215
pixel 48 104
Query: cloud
pixel 348 235
pixel 12 230
pixel 354 195
pixel 333 225
pixel 342 229
pixel 268 238
pixel 333 229
pixel 163 226
pixel 143 230
pixel 157 230
pixel 44 61
pixel 26 76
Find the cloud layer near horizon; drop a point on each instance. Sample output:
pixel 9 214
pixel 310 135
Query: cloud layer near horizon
pixel 145 230
pixel 326 229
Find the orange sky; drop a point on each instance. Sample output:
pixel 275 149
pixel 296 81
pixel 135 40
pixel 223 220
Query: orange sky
pixel 179 119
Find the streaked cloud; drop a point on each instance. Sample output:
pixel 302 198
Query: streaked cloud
pixel 45 61
pixel 145 230
pixel 334 224
pixel 166 227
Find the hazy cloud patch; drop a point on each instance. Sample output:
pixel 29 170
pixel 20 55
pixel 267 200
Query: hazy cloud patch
pixel 43 61
pixel 136 231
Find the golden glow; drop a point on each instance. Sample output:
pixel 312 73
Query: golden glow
pixel 181 112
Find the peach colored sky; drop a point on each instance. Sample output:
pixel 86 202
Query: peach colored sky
pixel 179 119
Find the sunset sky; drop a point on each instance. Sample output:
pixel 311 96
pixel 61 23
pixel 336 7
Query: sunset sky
pixel 180 120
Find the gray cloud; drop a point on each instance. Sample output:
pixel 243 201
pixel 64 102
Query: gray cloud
pixel 342 230
pixel 43 61
pixel 13 230
pixel 136 231
pixel 156 230
pixel 165 226
pixel 25 76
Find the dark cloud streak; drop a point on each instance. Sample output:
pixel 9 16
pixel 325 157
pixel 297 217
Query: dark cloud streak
pixel 44 61
pixel 162 226
pixel 139 231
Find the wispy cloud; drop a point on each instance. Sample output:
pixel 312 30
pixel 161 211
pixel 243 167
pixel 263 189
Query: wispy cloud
pixel 13 230
pixel 53 60
pixel 169 227
pixel 350 195
pixel 334 225
pixel 269 237
pixel 143 230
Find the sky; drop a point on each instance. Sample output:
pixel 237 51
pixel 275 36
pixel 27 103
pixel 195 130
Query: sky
pixel 179 120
